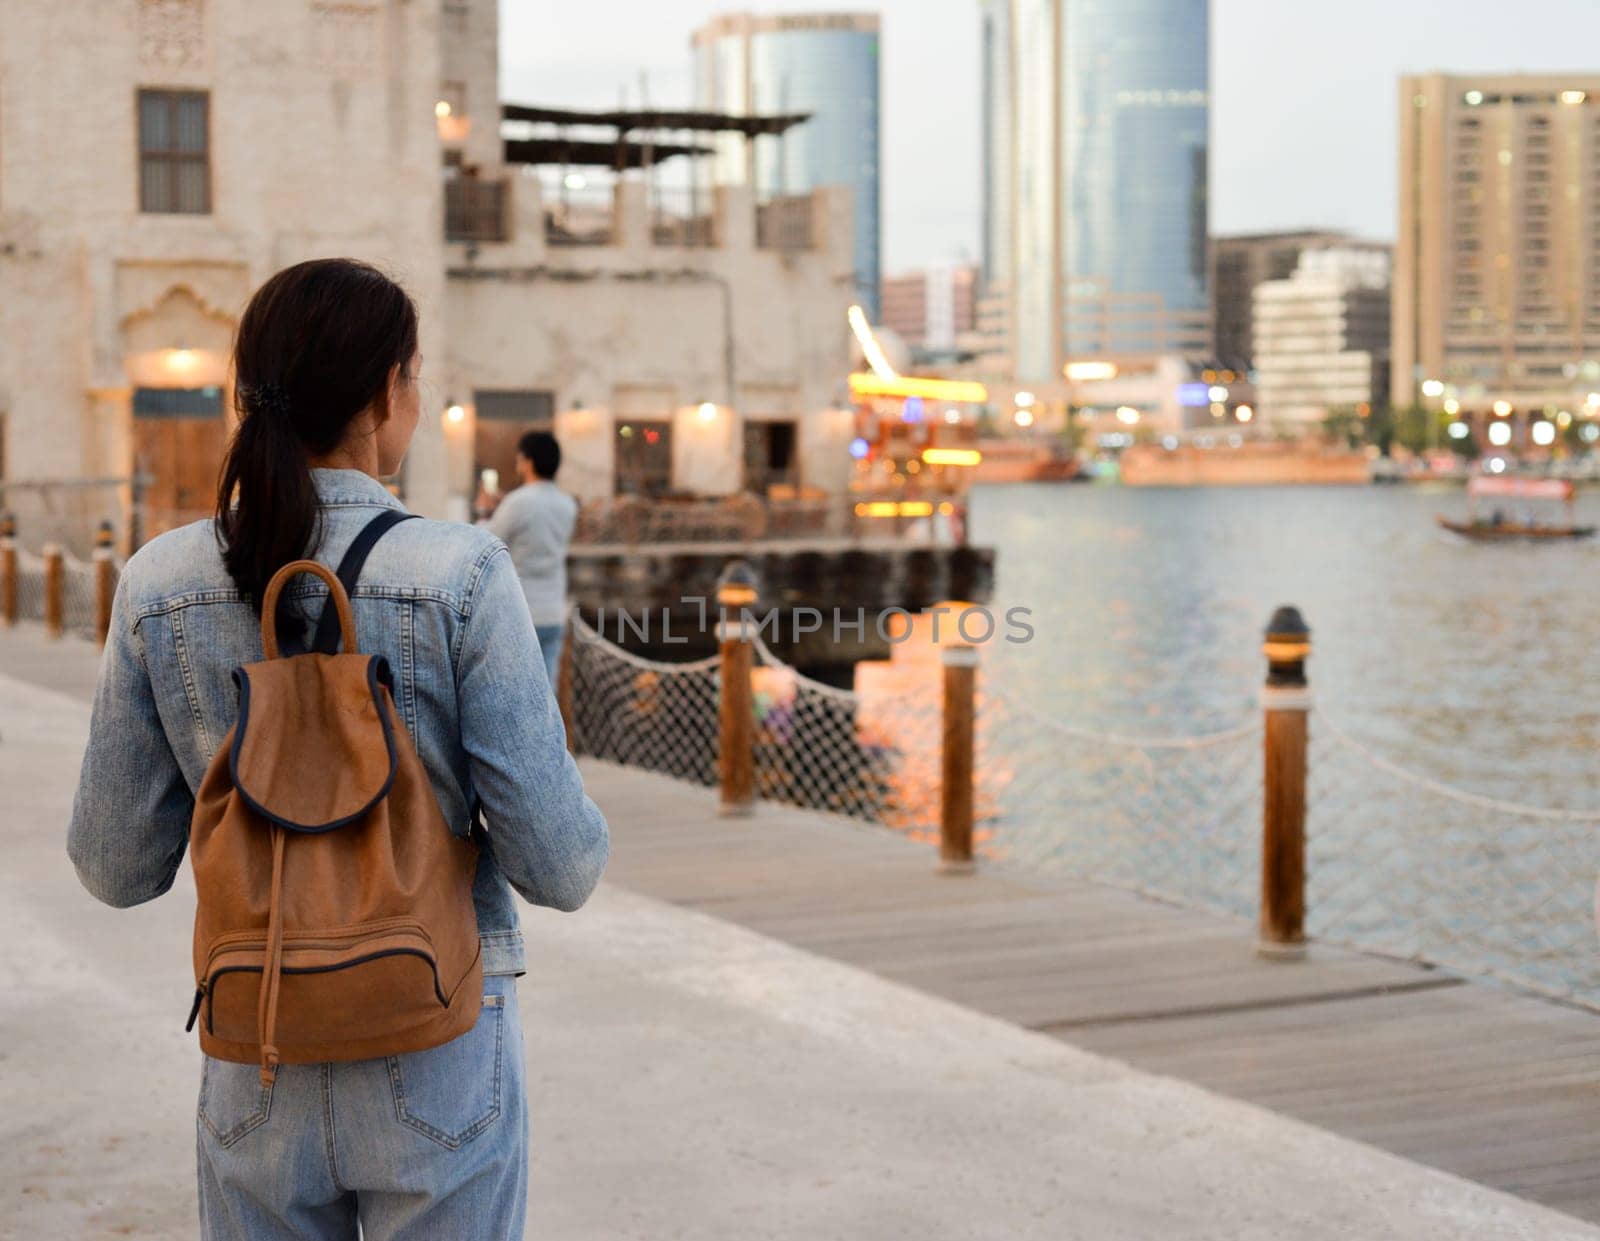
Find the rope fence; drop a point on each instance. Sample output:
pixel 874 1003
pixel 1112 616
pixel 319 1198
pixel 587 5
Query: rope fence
pixel 1286 817
pixel 68 594
pixel 1381 858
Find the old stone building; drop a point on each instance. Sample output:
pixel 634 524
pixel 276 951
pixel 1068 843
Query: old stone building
pixel 160 158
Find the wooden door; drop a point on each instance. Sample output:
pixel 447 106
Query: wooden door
pixel 501 419
pixel 770 460
pixel 177 447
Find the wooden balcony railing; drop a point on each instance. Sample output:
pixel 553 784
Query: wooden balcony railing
pixel 785 223
pixel 477 209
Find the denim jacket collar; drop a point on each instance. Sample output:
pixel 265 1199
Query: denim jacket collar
pixel 351 487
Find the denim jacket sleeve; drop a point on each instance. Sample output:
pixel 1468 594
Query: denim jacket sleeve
pixel 130 819
pixel 548 838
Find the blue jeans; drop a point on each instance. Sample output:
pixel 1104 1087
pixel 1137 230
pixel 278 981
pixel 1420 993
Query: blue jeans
pixel 431 1144
pixel 550 640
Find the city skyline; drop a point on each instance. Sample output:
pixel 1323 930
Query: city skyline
pixel 1297 141
pixel 827 65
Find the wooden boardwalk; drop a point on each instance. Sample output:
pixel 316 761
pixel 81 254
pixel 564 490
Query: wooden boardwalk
pixel 1493 1085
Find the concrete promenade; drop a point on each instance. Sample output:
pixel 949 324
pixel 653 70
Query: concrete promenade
pixel 690 1077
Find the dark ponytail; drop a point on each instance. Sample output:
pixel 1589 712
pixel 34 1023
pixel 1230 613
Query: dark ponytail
pixel 315 347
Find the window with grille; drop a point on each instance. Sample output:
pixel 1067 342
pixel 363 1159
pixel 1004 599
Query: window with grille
pixel 174 152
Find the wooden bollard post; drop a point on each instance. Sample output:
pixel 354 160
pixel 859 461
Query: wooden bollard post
pixel 736 760
pixel 563 687
pixel 55 581
pixel 104 581
pixel 957 758
pixel 1286 701
pixel 8 570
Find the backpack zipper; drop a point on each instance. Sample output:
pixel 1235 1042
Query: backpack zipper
pixel 313 969
pixel 194 1012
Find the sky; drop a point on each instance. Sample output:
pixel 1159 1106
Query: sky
pixel 1304 96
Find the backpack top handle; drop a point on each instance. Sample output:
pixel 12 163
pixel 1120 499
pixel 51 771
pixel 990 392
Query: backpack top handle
pixel 336 593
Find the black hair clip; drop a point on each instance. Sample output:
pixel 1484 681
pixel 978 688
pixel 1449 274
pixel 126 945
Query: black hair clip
pixel 267 398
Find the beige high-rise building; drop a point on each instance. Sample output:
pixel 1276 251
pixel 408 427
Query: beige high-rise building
pixel 1240 264
pixel 1321 335
pixel 1497 265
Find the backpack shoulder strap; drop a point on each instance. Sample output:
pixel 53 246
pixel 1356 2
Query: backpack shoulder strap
pixel 326 641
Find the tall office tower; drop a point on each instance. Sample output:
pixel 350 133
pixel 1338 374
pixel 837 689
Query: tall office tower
pixel 822 63
pixel 1497 267
pixel 1104 186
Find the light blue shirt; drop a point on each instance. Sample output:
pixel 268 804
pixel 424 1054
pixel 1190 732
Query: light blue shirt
pixel 536 522
pixel 443 604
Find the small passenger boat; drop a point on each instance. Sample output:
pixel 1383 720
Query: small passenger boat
pixel 1513 516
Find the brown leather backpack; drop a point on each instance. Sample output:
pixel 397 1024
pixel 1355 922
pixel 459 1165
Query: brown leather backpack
pixel 335 917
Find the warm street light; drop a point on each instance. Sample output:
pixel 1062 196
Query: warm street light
pixel 1023 417
pixel 929 389
pixel 1452 406
pixel 1544 433
pixel 1499 434
pixel 1244 413
pixel 1432 387
pixel 1127 415
pixel 951 456
pixel 1502 409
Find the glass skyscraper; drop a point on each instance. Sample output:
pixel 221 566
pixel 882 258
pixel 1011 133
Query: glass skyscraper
pixel 822 63
pixel 997 139
pixel 1107 108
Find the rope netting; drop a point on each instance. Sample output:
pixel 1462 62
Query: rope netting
pixel 1403 863
pixel 1397 862
pixel 873 757
pixel 642 712
pixel 1177 817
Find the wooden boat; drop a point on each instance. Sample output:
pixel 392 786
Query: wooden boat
pixel 1507 531
pixel 1499 527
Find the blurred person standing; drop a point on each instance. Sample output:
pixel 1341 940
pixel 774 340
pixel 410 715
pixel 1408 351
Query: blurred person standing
pixel 535 522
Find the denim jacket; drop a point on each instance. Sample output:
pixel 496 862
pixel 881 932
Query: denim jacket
pixel 442 602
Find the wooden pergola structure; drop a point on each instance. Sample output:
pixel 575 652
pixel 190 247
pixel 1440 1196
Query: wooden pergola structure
pixel 644 137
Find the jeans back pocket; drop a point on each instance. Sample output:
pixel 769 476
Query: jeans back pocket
pixel 452 1093
pixel 233 1101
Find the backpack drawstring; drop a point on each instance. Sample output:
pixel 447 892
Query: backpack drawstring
pixel 272 964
